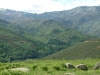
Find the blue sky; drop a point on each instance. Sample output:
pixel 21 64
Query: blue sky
pixel 40 6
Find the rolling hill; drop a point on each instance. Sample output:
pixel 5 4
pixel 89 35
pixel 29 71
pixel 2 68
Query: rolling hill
pixel 14 46
pixel 16 43
pixel 42 29
pixel 38 35
pixel 87 49
pixel 51 29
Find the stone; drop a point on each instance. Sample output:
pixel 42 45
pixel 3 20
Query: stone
pixel 70 66
pixel 82 67
pixel 96 66
pixel 23 69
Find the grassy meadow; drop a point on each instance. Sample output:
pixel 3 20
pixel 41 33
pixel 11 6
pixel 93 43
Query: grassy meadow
pixel 48 67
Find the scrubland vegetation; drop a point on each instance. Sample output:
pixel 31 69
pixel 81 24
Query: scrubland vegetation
pixel 48 67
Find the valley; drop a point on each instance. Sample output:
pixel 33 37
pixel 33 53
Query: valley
pixel 43 43
pixel 50 35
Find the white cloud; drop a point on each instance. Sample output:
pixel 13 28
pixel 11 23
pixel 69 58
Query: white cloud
pixel 39 6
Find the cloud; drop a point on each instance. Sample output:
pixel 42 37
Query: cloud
pixel 86 2
pixel 40 6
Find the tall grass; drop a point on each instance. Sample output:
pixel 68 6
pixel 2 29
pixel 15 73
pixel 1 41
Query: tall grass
pixel 49 67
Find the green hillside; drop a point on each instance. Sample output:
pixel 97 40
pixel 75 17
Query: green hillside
pixel 17 43
pixel 51 29
pixel 14 45
pixel 87 49
pixel 47 33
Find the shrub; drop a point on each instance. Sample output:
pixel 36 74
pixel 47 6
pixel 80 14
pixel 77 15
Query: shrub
pixel 34 67
pixel 5 73
pixel 45 68
pixel 57 68
pixel 63 65
pixel 2 68
pixel 12 66
pixel 60 67
pixel 17 73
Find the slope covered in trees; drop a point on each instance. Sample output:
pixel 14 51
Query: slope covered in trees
pixel 28 34
pixel 17 43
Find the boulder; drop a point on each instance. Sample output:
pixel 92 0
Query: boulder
pixel 82 67
pixel 23 69
pixel 70 66
pixel 96 66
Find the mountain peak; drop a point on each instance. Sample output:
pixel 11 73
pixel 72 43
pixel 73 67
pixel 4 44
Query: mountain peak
pixel 49 21
pixel 2 9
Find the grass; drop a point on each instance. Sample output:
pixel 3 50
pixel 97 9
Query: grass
pixel 48 67
pixel 88 49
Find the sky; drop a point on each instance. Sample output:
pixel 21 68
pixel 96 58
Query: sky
pixel 41 6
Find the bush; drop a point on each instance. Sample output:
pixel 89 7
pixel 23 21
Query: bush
pixel 2 68
pixel 63 67
pixel 34 67
pixel 60 67
pixel 57 68
pixel 17 73
pixel 12 66
pixel 45 68
pixel 5 73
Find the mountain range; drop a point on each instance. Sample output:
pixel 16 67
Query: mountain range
pixel 39 35
pixel 84 19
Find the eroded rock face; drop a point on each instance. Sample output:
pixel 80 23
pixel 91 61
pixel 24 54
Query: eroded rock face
pixel 82 67
pixel 96 66
pixel 70 66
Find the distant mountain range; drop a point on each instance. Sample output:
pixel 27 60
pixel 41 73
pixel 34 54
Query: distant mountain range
pixel 47 33
pixel 84 19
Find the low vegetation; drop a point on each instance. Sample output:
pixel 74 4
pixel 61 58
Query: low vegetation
pixel 48 67
pixel 86 49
